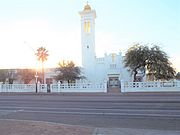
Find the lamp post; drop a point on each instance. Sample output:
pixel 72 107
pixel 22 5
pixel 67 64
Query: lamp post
pixel 36 76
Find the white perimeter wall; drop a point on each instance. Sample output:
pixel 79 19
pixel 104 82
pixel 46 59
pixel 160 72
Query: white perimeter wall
pixel 55 88
pixel 173 86
pixel 150 86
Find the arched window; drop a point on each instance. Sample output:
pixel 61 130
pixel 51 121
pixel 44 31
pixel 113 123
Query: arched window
pixel 87 27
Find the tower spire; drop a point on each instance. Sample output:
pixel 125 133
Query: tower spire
pixel 87 7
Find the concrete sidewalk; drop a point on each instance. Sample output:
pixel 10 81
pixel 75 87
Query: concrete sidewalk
pixel 20 127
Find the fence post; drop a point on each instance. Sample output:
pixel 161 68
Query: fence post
pixel 39 87
pixel 51 88
pixel 59 86
pixel 122 86
pixel 159 84
pixel 105 86
pixel 140 84
pixel 178 84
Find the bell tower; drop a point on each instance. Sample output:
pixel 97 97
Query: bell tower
pixel 88 17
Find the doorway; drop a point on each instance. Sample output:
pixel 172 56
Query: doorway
pixel 114 82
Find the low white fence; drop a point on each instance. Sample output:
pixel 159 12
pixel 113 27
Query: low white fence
pixel 150 86
pixel 23 88
pixel 93 87
pixel 17 88
pixel 78 87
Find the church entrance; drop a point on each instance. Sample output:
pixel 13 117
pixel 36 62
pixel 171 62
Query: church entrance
pixel 114 85
pixel 113 82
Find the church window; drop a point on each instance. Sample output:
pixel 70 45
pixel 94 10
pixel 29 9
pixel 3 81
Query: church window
pixel 113 57
pixel 89 27
pixel 112 66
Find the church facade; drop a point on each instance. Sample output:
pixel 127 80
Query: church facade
pixel 109 68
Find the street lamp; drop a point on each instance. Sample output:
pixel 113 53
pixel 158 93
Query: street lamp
pixel 36 75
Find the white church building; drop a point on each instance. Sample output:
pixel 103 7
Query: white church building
pixel 109 68
pixel 98 72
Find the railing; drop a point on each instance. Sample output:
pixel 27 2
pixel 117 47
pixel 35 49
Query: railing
pixel 17 87
pixel 42 88
pixel 76 87
pixel 79 87
pixel 150 86
pixel 22 88
pixel 93 87
pixel 99 60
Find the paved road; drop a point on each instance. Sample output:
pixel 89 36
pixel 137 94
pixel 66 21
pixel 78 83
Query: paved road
pixel 159 111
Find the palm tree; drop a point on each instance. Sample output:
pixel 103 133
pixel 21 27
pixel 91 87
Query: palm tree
pixel 42 55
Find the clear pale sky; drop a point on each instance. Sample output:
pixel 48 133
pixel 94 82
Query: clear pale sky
pixel 26 25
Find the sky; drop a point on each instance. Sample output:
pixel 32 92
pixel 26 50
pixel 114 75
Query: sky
pixel 26 25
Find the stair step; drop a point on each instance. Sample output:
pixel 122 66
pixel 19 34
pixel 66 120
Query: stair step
pixel 113 90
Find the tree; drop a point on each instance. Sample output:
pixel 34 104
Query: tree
pixel 67 71
pixel 42 55
pixel 159 65
pixel 3 75
pixel 8 76
pixel 136 58
pixel 27 75
pixel 152 60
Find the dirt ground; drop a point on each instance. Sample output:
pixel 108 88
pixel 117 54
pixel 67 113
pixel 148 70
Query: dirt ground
pixel 14 127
